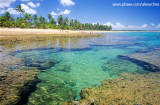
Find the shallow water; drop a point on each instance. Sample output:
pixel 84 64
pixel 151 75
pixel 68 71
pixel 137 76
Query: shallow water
pixel 68 65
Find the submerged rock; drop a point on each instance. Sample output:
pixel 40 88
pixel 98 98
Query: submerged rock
pixel 41 64
pixel 147 66
pixel 149 60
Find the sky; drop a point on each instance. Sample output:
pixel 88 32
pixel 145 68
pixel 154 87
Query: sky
pixel 120 14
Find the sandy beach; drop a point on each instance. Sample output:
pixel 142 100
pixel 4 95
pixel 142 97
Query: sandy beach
pixel 18 31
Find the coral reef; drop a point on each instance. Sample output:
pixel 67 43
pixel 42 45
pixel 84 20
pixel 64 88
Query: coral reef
pixel 14 79
pixel 128 89
pixel 13 84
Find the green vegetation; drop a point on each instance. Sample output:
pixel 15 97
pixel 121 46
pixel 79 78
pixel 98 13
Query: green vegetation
pixel 33 21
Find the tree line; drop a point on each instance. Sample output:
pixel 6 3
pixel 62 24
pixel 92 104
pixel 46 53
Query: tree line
pixel 33 21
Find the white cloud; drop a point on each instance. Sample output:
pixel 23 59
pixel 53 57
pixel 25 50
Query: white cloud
pixel 131 27
pixel 2 11
pixel 6 3
pixel 94 23
pixel 53 13
pixel 13 11
pixel 65 12
pixel 152 24
pixel 144 26
pixel 10 10
pixel 158 26
pixel 28 10
pixel 115 26
pixel 119 26
pixel 31 4
pixel 108 24
pixel 67 2
pixel 24 0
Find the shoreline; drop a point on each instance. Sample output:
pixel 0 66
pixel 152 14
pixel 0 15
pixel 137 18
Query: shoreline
pixel 19 31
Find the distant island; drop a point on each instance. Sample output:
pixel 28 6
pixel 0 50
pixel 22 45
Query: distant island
pixel 29 21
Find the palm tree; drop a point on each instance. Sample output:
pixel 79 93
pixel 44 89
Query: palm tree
pixel 71 22
pixel 52 21
pixel 12 19
pixel 60 20
pixel 7 15
pixel 35 18
pixel 6 21
pixel 19 9
pixel 66 21
pixel 49 16
pixel 42 20
pixel 27 17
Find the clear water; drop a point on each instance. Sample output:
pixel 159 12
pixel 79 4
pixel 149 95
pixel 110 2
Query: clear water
pixel 83 62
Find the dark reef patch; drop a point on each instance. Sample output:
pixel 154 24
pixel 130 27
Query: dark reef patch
pixel 145 65
pixel 117 66
pixel 41 65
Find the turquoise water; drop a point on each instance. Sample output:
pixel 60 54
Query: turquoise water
pixel 83 62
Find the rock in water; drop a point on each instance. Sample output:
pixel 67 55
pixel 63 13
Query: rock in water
pixel 40 64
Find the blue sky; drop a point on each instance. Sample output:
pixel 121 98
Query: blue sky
pixel 120 14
